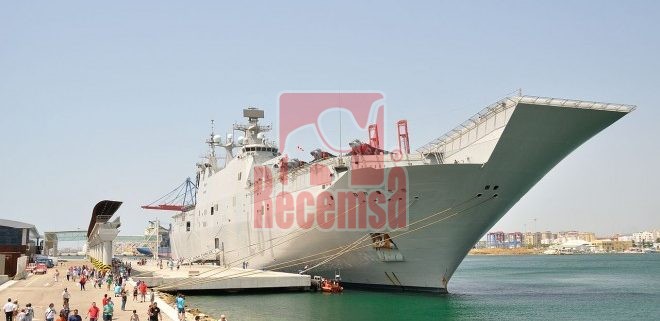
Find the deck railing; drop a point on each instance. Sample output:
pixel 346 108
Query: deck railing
pixel 471 130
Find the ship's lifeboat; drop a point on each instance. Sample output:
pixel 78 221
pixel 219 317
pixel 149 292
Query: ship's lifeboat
pixel 331 286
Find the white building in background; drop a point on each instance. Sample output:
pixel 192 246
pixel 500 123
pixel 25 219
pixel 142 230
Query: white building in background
pixel 625 238
pixel 646 237
pixel 567 236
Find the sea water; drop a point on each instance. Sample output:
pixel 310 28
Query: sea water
pixel 535 287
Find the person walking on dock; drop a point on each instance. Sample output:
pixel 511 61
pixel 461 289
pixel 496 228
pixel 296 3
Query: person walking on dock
pixel 57 275
pixel 152 295
pixel 108 281
pixel 75 316
pixel 154 313
pixel 181 307
pixel 124 298
pixel 29 312
pixel 50 312
pixel 65 311
pixel 17 308
pixel 134 316
pixel 83 280
pixel 93 312
pixel 108 310
pixel 143 291
pixel 21 316
pixel 135 293
pixel 9 309
pixel 65 297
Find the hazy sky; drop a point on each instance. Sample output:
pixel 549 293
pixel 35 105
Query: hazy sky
pixel 114 101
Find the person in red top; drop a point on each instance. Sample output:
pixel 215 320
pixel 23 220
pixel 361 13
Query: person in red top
pixel 93 312
pixel 143 290
pixel 82 281
pixel 105 299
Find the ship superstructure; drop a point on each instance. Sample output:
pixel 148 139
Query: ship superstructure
pixel 456 188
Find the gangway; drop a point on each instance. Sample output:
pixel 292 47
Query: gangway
pixel 52 239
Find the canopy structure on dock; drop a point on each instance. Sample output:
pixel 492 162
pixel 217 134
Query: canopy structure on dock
pixel 102 231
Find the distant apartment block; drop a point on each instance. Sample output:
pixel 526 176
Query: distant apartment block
pixel 532 239
pixel 643 237
pixel 548 237
pixel 617 243
pixel 619 237
pixel 504 240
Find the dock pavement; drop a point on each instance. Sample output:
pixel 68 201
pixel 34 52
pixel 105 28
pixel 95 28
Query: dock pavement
pixel 41 290
pixel 211 277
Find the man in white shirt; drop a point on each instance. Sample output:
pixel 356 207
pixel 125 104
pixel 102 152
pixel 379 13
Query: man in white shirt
pixel 9 309
pixel 65 297
pixel 50 313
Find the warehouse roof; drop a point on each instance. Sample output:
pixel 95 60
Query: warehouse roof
pixel 17 224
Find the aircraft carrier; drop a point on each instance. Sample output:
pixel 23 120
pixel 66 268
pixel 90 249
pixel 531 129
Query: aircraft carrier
pixel 454 190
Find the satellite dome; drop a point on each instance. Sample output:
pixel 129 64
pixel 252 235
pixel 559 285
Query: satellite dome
pixel 216 138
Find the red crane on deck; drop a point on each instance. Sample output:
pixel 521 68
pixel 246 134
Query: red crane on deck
pixel 404 139
pixel 374 140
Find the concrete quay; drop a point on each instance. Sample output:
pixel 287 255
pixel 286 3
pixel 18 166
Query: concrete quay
pixel 190 278
pixel 41 290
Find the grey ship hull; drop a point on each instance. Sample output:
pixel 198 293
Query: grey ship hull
pixel 458 196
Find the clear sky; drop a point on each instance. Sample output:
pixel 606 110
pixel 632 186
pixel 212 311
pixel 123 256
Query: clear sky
pixel 113 101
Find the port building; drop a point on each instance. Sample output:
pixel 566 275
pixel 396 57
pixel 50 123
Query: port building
pixel 17 239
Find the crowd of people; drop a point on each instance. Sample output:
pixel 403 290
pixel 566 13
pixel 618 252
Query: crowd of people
pixel 114 279
pixel 14 312
pixel 83 274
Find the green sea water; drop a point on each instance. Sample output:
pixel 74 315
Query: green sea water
pixel 572 287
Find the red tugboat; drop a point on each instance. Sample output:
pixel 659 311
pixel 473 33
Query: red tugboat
pixel 331 286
